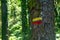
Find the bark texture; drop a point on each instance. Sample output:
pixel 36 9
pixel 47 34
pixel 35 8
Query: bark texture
pixel 44 31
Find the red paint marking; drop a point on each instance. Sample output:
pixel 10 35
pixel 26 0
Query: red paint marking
pixel 37 22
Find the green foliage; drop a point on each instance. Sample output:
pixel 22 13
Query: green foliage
pixel 57 18
pixel 0 16
pixel 58 1
pixel 15 22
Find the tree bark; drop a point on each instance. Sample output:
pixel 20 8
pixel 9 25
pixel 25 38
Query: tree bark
pixel 4 20
pixel 44 31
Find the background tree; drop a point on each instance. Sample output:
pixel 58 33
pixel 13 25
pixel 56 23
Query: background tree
pixel 24 18
pixel 4 20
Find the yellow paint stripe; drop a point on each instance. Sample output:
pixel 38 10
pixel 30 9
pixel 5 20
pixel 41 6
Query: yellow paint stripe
pixel 36 19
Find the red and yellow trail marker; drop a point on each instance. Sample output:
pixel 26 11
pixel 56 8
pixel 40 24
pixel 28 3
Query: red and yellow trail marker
pixel 37 20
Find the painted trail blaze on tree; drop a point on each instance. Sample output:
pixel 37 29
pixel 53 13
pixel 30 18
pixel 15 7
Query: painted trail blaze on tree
pixel 37 21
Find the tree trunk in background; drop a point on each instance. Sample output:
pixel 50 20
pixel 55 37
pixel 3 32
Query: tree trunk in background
pixel 24 18
pixel 45 30
pixel 4 20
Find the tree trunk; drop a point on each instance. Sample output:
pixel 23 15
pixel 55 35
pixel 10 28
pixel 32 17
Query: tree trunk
pixel 45 29
pixel 4 20
pixel 24 18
